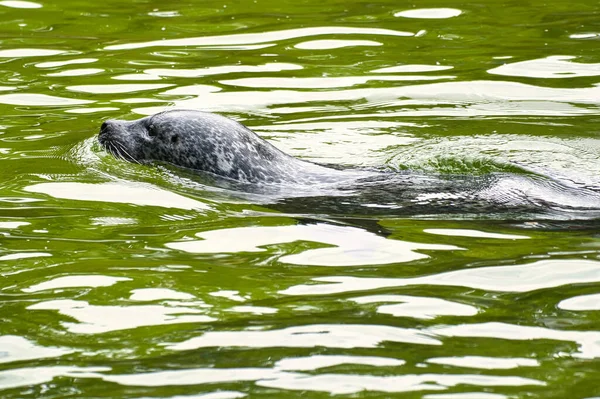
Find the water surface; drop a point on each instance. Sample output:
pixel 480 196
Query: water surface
pixel 127 281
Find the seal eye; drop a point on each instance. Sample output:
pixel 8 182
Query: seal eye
pixel 174 139
pixel 151 131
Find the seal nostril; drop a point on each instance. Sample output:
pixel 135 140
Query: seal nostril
pixel 104 126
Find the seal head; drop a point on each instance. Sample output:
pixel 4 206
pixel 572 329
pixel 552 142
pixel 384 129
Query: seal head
pixel 204 142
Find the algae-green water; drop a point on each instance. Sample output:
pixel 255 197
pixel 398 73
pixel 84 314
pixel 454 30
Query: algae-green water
pixel 120 280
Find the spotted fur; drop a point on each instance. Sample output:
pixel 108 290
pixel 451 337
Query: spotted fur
pixel 210 143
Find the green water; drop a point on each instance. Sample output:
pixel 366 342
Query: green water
pixel 125 281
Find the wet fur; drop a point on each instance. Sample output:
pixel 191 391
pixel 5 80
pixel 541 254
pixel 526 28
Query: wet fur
pixel 210 143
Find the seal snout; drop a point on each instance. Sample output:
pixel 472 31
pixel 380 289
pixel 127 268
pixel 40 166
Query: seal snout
pixel 105 130
pixel 107 126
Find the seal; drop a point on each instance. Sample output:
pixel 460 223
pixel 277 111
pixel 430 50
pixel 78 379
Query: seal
pixel 211 143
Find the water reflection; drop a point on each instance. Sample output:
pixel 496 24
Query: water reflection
pixel 32 376
pixel 353 247
pixel 96 319
pixel 334 44
pixel 255 38
pixel 75 281
pixel 417 307
pixel 17 349
pixel 556 67
pixel 429 13
pixel 30 99
pixel 119 192
pixel 19 4
pixel 55 64
pixel 581 303
pixel 466 395
pixel 23 255
pixel 77 72
pixel 220 313
pixel 474 233
pixel 322 83
pixel 484 362
pixel 333 383
pixel 323 361
pixel 309 336
pixel 522 278
pixel 471 98
pixel 157 73
pixel 588 341
pixel 116 88
pixel 29 52
pixel 352 383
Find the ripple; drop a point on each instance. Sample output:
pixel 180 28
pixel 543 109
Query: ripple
pixel 192 376
pixel 418 307
pixel 20 4
pixel 53 64
pixel 164 14
pixel 24 255
pixel 485 362
pixel 39 100
pixel 256 310
pixel 136 77
pixel 12 225
pixel 220 70
pixel 523 278
pixel 229 294
pixel 128 193
pixel 76 281
pixel 544 155
pixel 337 384
pixel 353 247
pixel 77 72
pixel 332 383
pixel 323 361
pixel 323 82
pixel 412 68
pixel 194 90
pixel 582 302
pixel 112 221
pixel 16 349
pixel 588 341
pixel 429 13
pixel 474 233
pixel 255 38
pixel 555 67
pixel 334 44
pixel 309 336
pixel 93 319
pixel 31 376
pixel 90 110
pixel 211 395
pixel 468 98
pixel 29 52
pixel 155 294
pixel 466 395
pixel 592 35
pixel 357 143
pixel 116 88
